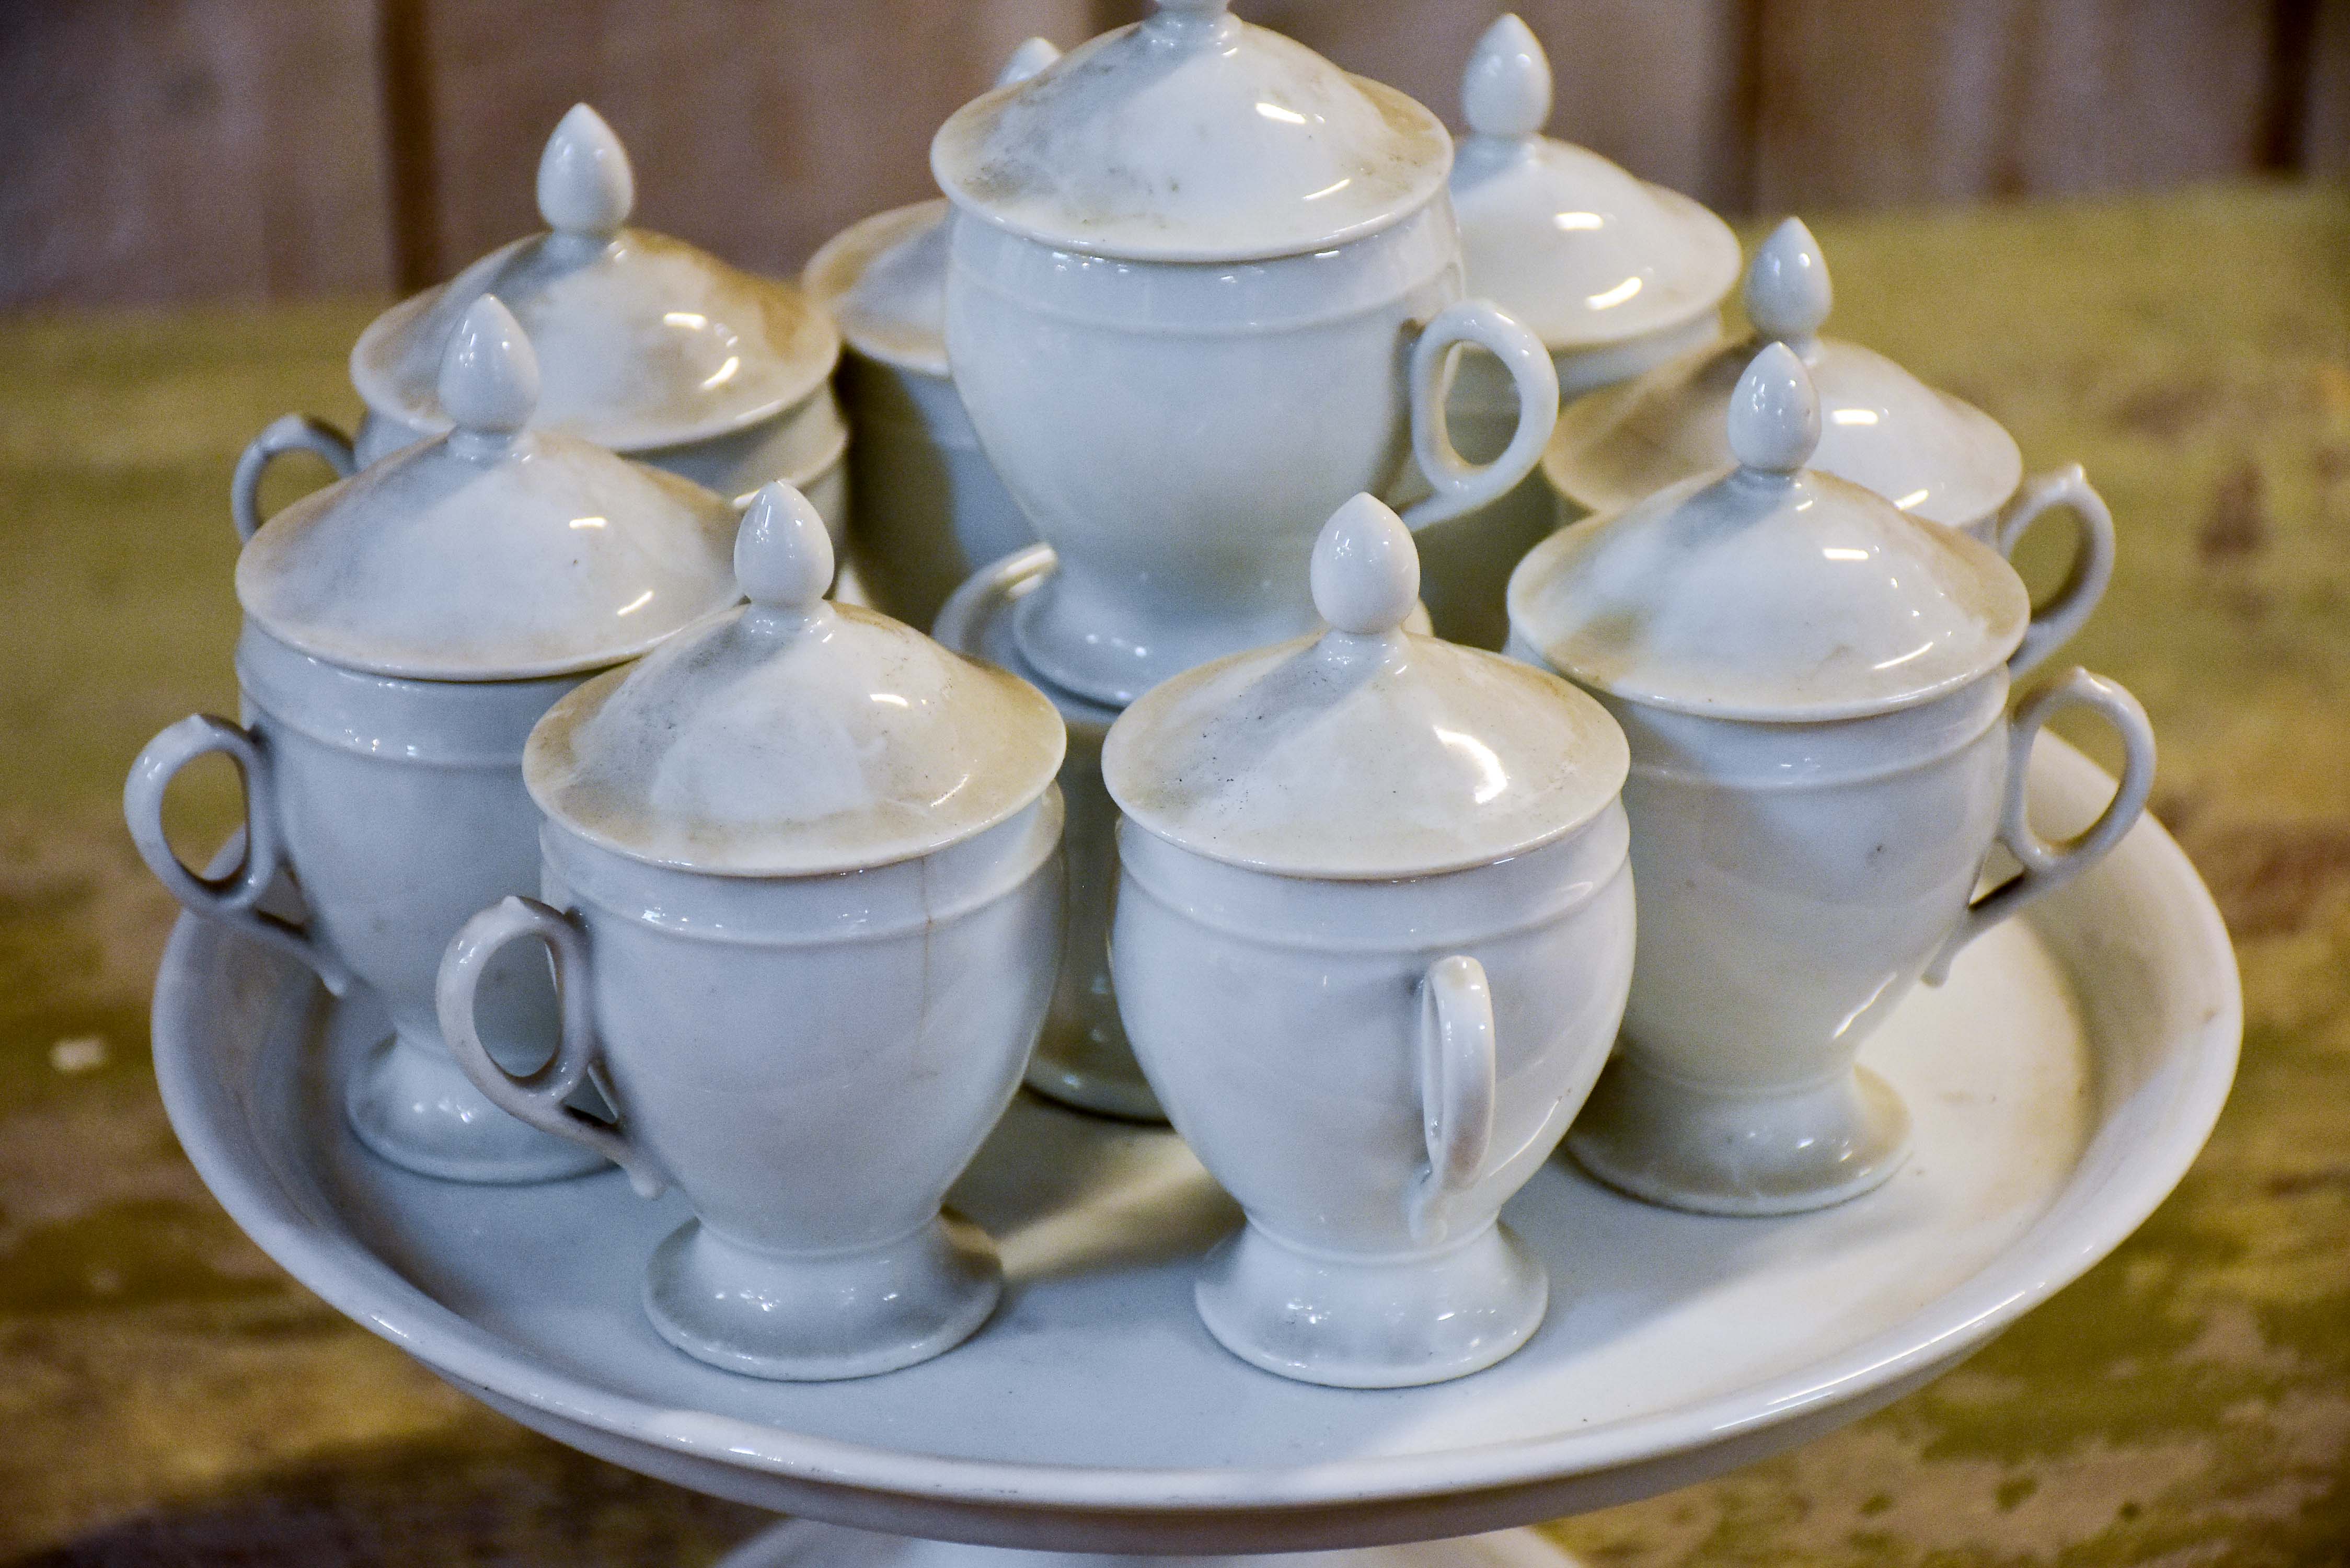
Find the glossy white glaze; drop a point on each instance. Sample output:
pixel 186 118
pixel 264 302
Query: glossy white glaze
pixel 647 342
pixel 1809 819
pixel 1366 751
pixel 398 807
pixel 1580 252
pixel 1773 591
pixel 811 1060
pixel 792 736
pixel 1930 454
pixel 495 551
pixel 1192 136
pixel 1675 1349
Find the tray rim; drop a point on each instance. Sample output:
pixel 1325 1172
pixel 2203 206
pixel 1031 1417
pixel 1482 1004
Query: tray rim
pixel 2030 1269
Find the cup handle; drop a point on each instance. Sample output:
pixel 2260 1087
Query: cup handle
pixel 1460 485
pixel 2086 580
pixel 1456 1089
pixel 2048 866
pixel 234 898
pixel 537 1097
pixel 295 432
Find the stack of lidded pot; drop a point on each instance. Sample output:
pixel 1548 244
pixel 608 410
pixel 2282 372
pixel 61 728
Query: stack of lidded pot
pixel 1203 287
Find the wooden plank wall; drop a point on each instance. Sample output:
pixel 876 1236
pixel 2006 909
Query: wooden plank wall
pixel 187 150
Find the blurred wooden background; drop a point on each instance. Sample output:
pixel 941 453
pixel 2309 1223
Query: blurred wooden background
pixel 191 150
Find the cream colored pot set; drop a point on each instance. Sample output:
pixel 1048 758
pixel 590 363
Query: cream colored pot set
pixel 1186 814
pixel 652 349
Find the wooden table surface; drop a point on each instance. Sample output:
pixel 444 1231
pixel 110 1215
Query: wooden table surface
pixel 168 1396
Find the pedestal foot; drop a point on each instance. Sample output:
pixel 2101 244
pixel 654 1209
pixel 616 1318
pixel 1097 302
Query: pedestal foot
pixel 808 1318
pixel 413 1106
pixel 1684 1148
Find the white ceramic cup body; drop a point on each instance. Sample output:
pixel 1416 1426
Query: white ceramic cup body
pixel 813 1061
pixel 1179 433
pixel 1465 563
pixel 1281 1021
pixel 399 808
pixel 926 508
pixel 1795 880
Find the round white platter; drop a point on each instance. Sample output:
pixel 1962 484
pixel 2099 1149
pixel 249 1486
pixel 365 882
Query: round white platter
pixel 2060 1084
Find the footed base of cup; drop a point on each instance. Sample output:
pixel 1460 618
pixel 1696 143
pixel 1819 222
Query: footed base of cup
pixel 1395 1322
pixel 1684 1148
pixel 817 1317
pixel 1094 1079
pixel 413 1106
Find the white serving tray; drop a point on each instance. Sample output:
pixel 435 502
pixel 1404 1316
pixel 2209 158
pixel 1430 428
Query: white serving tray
pixel 2060 1084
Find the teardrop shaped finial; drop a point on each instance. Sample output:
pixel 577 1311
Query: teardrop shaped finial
pixel 584 183
pixel 1032 56
pixel 1505 92
pixel 782 556
pixel 1775 414
pixel 1787 292
pixel 489 372
pixel 1366 570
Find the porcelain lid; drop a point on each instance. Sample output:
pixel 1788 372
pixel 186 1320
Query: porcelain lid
pixel 646 341
pixel 1930 454
pixel 884 278
pixel 1367 751
pixel 1192 136
pixel 492 553
pixel 1579 250
pixel 792 736
pixel 1771 591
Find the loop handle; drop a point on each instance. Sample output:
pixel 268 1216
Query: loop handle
pixel 1456 1089
pixel 234 898
pixel 1461 486
pixel 2053 623
pixel 294 432
pixel 2048 866
pixel 537 1097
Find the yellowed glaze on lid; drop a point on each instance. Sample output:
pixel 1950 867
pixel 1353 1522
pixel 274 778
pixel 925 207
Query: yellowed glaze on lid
pixel 1366 752
pixel 492 553
pixel 794 736
pixel 1771 591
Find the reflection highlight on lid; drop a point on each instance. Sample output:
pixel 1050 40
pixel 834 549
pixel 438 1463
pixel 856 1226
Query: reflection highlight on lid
pixel 1275 111
pixel 1852 416
pixel 724 373
pixel 634 605
pixel 1613 297
pixel 1492 778
pixel 1571 222
pixel 692 320
pixel 1914 496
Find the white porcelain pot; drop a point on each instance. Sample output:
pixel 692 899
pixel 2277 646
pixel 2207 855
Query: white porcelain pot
pixel 404 630
pixel 1814 687
pixel 1372 941
pixel 812 1060
pixel 1372 1069
pixel 1182 355
pixel 804 894
pixel 654 350
pixel 398 807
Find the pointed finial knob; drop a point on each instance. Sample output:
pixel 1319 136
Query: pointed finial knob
pixel 1365 571
pixel 1032 56
pixel 782 556
pixel 1775 414
pixel 489 372
pixel 1787 292
pixel 1506 90
pixel 585 184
